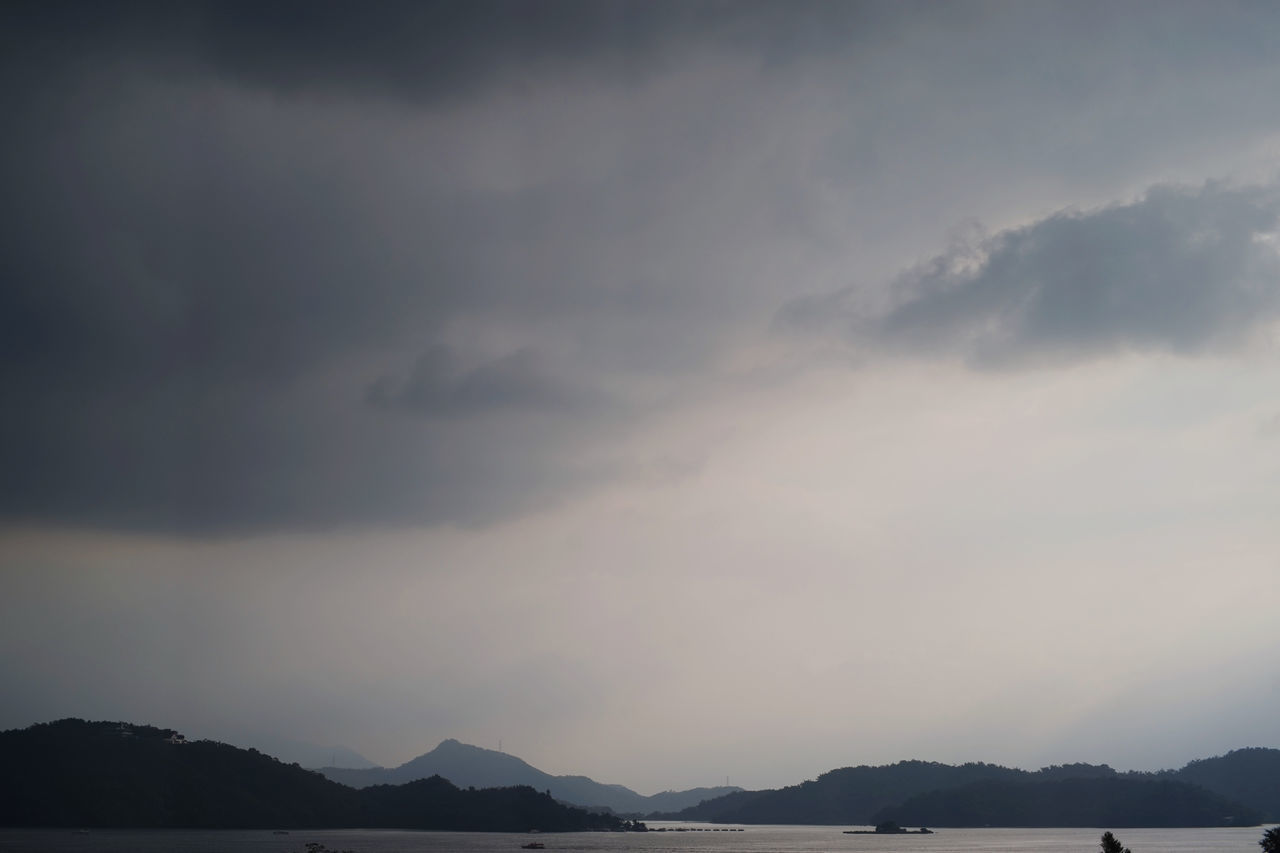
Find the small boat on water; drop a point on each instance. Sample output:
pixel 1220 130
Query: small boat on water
pixel 533 845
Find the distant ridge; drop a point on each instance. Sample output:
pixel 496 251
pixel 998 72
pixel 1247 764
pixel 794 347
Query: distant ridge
pixel 74 773
pixel 1120 801
pixel 1250 776
pixel 77 773
pixel 1240 788
pixel 472 766
pixel 300 752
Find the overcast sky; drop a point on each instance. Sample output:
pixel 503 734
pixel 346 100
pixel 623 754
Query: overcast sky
pixel 671 390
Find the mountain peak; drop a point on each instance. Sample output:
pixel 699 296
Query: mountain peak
pixel 457 746
pixel 470 766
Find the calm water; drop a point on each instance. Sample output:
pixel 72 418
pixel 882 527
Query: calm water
pixel 755 839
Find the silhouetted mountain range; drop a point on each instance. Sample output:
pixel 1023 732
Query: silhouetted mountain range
pixel 1115 801
pixel 1250 776
pixel 78 774
pixel 472 766
pixel 1240 788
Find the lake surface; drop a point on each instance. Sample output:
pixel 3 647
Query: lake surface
pixel 754 839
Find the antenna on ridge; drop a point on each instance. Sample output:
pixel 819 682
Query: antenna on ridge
pixel 499 744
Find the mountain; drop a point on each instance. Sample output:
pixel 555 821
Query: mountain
pixel 928 793
pixel 472 766
pixel 77 773
pixel 436 803
pixel 849 795
pixel 1250 776
pixel 668 801
pixel 1118 801
pixel 73 773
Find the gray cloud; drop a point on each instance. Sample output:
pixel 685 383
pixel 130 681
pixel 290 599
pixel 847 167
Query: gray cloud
pixel 200 285
pixel 281 282
pixel 203 288
pixel 439 386
pixel 230 231
pixel 435 50
pixel 1179 270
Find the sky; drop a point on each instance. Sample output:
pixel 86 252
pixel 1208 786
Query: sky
pixel 666 391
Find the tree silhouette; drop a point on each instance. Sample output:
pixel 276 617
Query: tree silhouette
pixel 1111 844
pixel 1270 842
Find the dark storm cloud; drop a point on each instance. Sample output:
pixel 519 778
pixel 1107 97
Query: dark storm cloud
pixel 197 289
pixel 420 50
pixel 1179 270
pixel 439 386
pixel 230 231
pixel 401 48
pixel 209 289
pixel 220 460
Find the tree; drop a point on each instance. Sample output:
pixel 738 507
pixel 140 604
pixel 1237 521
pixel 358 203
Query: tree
pixel 1270 842
pixel 1111 844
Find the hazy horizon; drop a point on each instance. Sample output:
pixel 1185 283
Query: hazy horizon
pixel 317 756
pixel 667 390
pixel 729 780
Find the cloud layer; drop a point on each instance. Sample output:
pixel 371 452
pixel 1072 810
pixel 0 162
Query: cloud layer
pixel 317 266
pixel 866 380
pixel 1180 270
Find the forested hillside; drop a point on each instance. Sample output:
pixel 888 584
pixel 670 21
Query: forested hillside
pixel 924 793
pixel 105 774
